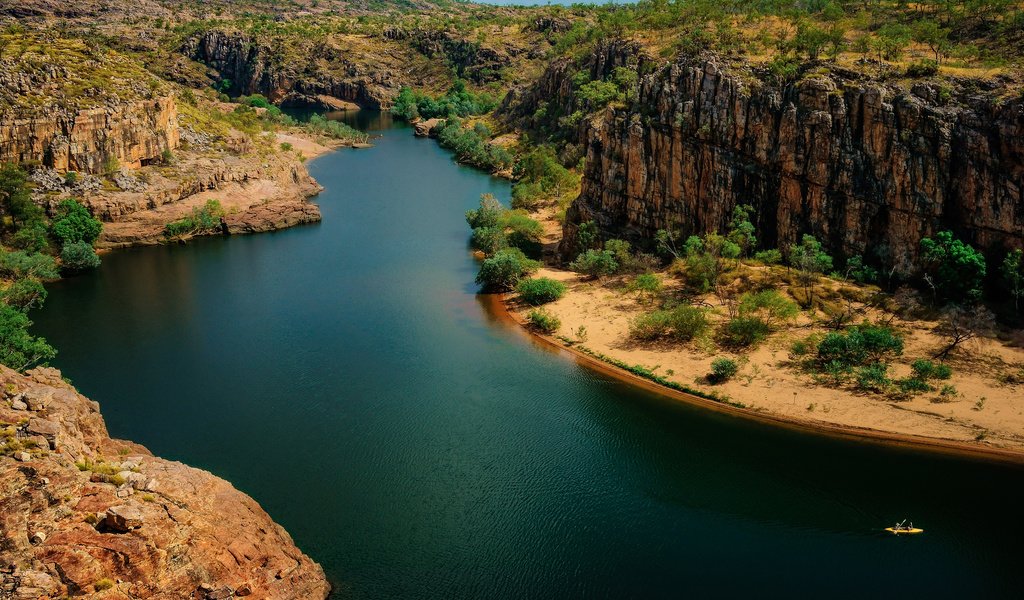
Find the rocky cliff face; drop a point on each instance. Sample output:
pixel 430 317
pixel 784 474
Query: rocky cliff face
pixel 132 133
pixel 81 512
pixel 868 167
pixel 256 67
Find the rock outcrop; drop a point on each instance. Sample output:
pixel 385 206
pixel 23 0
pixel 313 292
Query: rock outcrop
pixel 868 167
pixel 347 70
pixel 81 512
pixel 131 134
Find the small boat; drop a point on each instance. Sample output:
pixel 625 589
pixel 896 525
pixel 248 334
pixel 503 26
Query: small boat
pixel 903 529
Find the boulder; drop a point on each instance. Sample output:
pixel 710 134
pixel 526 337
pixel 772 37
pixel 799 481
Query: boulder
pixel 422 128
pixel 123 518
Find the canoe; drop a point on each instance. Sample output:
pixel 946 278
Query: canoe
pixel 904 530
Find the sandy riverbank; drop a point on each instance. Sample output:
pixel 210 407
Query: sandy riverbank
pixel 984 418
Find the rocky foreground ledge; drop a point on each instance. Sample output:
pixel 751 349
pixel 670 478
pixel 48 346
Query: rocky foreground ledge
pixel 84 514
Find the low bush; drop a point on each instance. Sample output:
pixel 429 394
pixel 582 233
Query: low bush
pixel 926 369
pixel 646 286
pixel 687 322
pixel 769 257
pixel 18 265
pixel 504 270
pixel 860 345
pixel 722 370
pixel 743 332
pixel 543 320
pixel 540 290
pixel 650 326
pixel 873 377
pixel 201 220
pixel 78 256
pixel 595 263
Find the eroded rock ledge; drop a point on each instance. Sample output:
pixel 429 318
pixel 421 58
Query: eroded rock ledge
pixel 81 512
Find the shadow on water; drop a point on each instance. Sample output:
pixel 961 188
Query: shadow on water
pixel 349 378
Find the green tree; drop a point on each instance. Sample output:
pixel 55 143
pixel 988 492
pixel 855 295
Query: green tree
pixel 1013 275
pixel 489 213
pixel 930 33
pixel 954 270
pixel 15 196
pixel 20 350
pixel 771 306
pixel 810 260
pixel 504 270
pixel 741 230
pixel 73 223
pixel 79 256
pixel 25 294
pixel 595 263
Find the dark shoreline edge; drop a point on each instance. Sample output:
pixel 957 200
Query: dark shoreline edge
pixel 500 303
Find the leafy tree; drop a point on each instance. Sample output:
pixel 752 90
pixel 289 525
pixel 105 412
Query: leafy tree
pixel 79 256
pixel 741 230
pixel 15 196
pixel 705 259
pixel 955 270
pixel 860 272
pixel 20 350
pixel 930 33
pixel 810 40
pixel 74 223
pixel 19 265
pixel 504 270
pixel 25 294
pixel 810 260
pixel 31 237
pixel 487 215
pixel 1013 274
pixel 892 40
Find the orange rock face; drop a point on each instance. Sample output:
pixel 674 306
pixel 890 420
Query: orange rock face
pixel 84 512
pixel 83 141
pixel 868 167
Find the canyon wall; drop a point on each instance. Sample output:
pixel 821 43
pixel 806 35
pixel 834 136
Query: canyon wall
pixel 868 167
pixel 255 67
pixel 81 513
pixel 132 133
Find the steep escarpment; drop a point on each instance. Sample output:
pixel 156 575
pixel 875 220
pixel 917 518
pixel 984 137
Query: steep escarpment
pixel 868 167
pixel 357 69
pixel 129 134
pixel 81 512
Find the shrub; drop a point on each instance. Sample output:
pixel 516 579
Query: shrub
pixel 722 369
pixel 913 384
pixel 488 239
pixel 78 256
pixel 201 220
pixel 769 257
pixel 286 146
pixel 650 326
pixel 543 320
pixel 926 369
pixel 31 237
pixel 646 286
pixel 73 223
pixel 770 305
pixel 540 290
pixel 743 332
pixel 595 263
pixel 873 377
pixel 18 265
pixel 860 345
pixel 687 322
pixel 955 269
pixel 103 584
pixel 488 215
pixel 503 271
pixel 25 294
pixel 923 68
pixel 18 349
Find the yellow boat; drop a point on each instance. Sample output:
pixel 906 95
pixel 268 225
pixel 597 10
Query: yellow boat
pixel 904 530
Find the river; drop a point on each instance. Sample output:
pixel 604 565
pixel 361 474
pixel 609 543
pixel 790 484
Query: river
pixel 348 377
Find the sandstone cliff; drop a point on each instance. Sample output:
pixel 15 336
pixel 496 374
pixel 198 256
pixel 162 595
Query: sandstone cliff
pixel 88 140
pixel 367 72
pixel 869 167
pixel 80 511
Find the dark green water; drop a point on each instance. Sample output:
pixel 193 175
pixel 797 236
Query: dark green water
pixel 347 376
